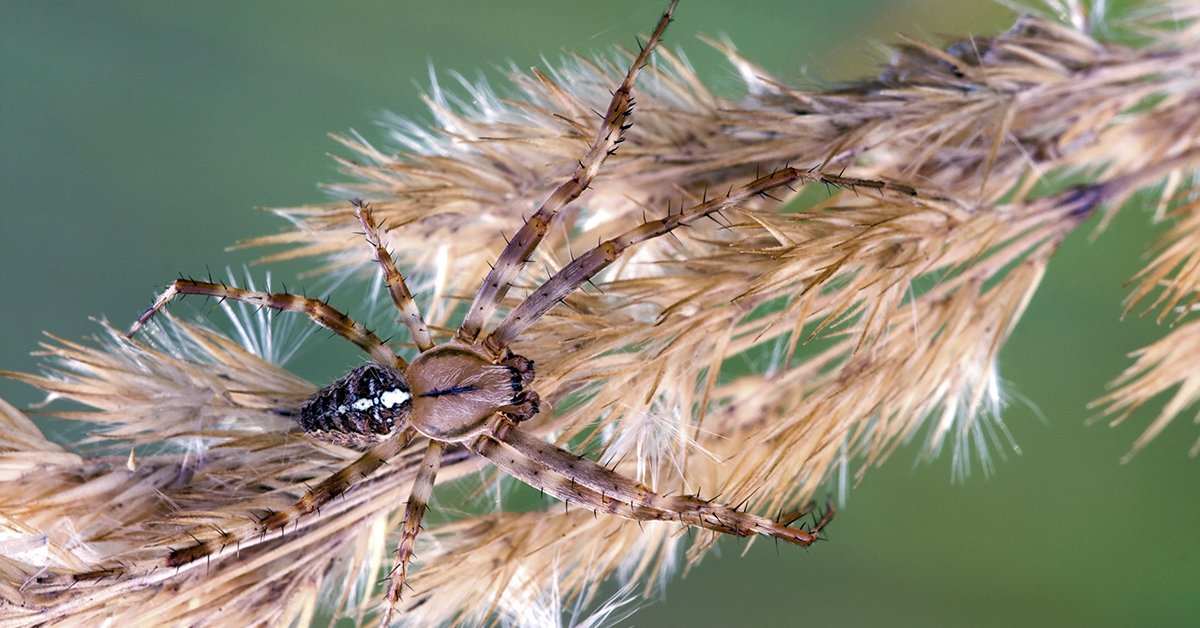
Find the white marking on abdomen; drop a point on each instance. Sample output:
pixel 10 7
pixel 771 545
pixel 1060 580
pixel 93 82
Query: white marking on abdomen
pixel 392 398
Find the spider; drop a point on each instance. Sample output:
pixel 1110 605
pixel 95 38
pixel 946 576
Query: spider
pixel 472 390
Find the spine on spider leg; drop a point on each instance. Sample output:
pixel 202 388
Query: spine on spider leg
pixel 414 511
pixel 396 285
pixel 319 311
pixel 312 500
pixel 527 238
pixel 586 266
pixel 581 481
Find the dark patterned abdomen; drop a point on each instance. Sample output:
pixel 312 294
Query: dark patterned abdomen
pixel 360 408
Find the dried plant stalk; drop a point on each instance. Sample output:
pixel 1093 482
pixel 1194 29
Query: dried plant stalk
pixel 910 274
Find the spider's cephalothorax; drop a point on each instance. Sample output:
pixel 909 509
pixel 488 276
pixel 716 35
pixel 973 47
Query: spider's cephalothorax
pixel 471 390
pixel 457 388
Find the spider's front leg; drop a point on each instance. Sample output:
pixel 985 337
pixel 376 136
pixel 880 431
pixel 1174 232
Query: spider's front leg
pixel 572 478
pixel 521 246
pixel 583 268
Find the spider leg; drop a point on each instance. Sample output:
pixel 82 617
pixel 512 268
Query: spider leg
pixel 820 519
pixel 522 245
pixel 583 268
pixel 343 478
pixel 571 478
pixel 414 511
pixel 311 502
pixel 395 281
pixel 319 311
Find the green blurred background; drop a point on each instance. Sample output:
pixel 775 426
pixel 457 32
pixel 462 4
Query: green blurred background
pixel 136 138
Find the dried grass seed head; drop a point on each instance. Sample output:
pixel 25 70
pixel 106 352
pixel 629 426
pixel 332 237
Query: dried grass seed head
pixel 973 128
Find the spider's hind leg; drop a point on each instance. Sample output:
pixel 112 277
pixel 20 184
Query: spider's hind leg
pixel 821 516
pixel 414 511
pixel 396 285
pixel 319 311
pixel 253 532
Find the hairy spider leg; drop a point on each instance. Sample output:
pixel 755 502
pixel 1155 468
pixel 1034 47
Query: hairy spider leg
pixel 571 478
pixel 319 311
pixel 396 286
pixel 414 511
pixel 583 268
pixel 312 501
pixel 520 248
pixel 343 479
pixel 820 519
pixel 340 481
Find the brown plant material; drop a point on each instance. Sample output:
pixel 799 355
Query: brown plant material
pixel 881 306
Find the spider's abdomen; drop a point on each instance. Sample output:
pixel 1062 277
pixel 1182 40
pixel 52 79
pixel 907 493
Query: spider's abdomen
pixel 361 407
